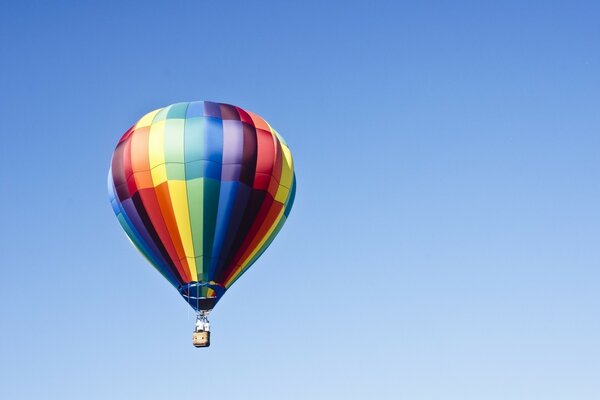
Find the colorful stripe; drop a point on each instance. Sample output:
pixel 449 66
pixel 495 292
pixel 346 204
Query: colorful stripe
pixel 201 189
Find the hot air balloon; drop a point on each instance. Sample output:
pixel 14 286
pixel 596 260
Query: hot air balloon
pixel 201 189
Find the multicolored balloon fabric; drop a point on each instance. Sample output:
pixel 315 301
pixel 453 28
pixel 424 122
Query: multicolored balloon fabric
pixel 202 189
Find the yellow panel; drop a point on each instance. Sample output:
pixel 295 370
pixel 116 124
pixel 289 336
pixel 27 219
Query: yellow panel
pixel 193 267
pixel 242 264
pixel 159 174
pixel 287 166
pixel 282 194
pixel 156 147
pixel 178 193
pixel 287 174
pixel 147 119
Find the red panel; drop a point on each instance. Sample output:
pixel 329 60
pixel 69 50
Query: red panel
pixel 139 150
pixel 277 168
pixel 259 122
pixel 127 134
pixel 273 187
pixel 244 116
pixel 261 181
pixel 132 185
pixel 265 156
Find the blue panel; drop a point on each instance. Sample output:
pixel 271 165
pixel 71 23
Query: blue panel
pixel 193 139
pixel 115 205
pixel 235 197
pixel 203 139
pixel 212 170
pixel 213 140
pixel 195 109
pixel 227 195
pixel 202 169
pixel 291 197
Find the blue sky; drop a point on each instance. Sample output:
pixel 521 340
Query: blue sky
pixel 444 243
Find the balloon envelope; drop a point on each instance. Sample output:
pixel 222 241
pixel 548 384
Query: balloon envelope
pixel 201 189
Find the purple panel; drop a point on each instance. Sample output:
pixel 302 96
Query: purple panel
pixel 233 142
pixel 249 155
pixel 118 172
pixel 250 145
pixel 122 192
pixel 231 172
pixel 212 109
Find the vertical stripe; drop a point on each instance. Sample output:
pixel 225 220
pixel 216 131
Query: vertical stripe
pixel 179 204
pixel 195 193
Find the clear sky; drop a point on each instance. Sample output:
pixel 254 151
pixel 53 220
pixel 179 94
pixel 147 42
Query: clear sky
pixel 444 243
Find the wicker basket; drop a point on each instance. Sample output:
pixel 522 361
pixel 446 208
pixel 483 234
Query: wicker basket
pixel 201 339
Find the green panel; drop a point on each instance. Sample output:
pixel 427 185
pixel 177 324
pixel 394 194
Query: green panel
pixel 212 191
pixel 194 139
pixel 177 111
pixel 174 145
pixel 161 115
pixel 203 202
pixel 195 193
pixel 203 263
pixel 175 171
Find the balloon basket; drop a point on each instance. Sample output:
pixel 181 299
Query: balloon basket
pixel 201 339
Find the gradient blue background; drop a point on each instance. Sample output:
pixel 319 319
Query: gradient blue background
pixel 444 243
